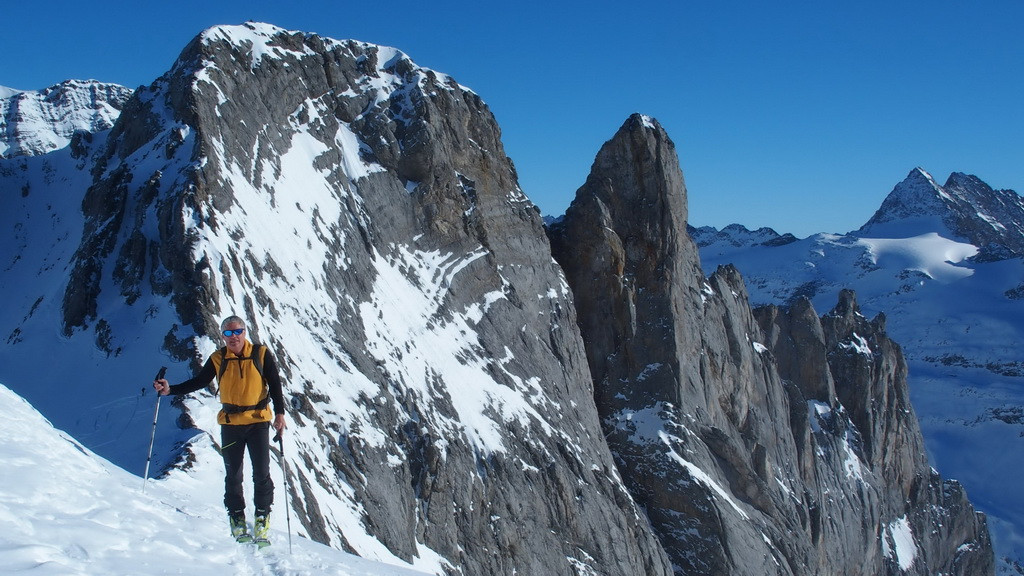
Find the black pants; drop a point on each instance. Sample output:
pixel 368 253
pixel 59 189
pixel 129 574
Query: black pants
pixel 234 440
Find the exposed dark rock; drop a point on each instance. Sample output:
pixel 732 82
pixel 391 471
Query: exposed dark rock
pixel 767 443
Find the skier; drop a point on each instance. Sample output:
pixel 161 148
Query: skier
pixel 248 381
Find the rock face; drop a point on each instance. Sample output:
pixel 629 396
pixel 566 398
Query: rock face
pixel 939 262
pixel 767 443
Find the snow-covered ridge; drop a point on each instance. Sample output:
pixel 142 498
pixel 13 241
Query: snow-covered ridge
pixel 265 41
pixel 34 122
pixel 738 236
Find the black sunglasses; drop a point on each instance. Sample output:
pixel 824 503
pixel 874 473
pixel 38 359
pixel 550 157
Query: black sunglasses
pixel 234 332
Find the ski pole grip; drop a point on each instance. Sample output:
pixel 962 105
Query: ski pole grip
pixel 160 374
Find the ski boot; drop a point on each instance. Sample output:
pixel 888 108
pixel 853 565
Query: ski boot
pixel 239 529
pixel 261 528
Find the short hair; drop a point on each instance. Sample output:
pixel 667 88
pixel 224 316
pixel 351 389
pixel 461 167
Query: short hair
pixel 231 320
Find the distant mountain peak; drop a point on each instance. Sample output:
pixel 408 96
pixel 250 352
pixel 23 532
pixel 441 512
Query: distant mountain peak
pixel 965 208
pixel 34 122
pixel 737 235
pixel 916 196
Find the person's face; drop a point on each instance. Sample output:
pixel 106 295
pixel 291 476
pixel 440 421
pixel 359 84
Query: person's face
pixel 234 342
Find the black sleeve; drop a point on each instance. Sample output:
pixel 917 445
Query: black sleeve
pixel 274 382
pixel 201 380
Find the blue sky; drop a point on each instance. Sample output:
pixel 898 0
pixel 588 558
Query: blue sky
pixel 800 116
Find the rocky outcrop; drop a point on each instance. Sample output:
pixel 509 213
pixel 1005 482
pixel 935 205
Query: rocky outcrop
pixel 934 260
pixel 871 384
pixel 775 443
pixel 870 387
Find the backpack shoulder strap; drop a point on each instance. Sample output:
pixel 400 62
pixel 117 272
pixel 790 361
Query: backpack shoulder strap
pixel 222 353
pixel 259 352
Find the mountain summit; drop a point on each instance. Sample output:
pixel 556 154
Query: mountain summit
pixel 461 402
pixel 360 211
pixel 968 208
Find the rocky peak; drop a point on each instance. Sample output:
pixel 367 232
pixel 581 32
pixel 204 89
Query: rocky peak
pixel 917 196
pixel 991 219
pixel 964 208
pixel 673 356
pixel 967 182
pixel 624 235
pixel 873 389
pixel 801 355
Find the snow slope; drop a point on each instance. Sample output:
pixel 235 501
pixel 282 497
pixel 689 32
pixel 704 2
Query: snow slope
pixel 67 511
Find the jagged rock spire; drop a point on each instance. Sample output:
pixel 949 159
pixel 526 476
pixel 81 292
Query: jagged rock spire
pixel 753 442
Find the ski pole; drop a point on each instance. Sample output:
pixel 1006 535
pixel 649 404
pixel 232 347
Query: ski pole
pixel 152 437
pixel 287 489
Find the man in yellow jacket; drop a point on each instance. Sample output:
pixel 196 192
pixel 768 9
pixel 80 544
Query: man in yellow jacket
pixel 248 380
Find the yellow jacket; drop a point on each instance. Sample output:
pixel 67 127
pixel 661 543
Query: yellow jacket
pixel 244 393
